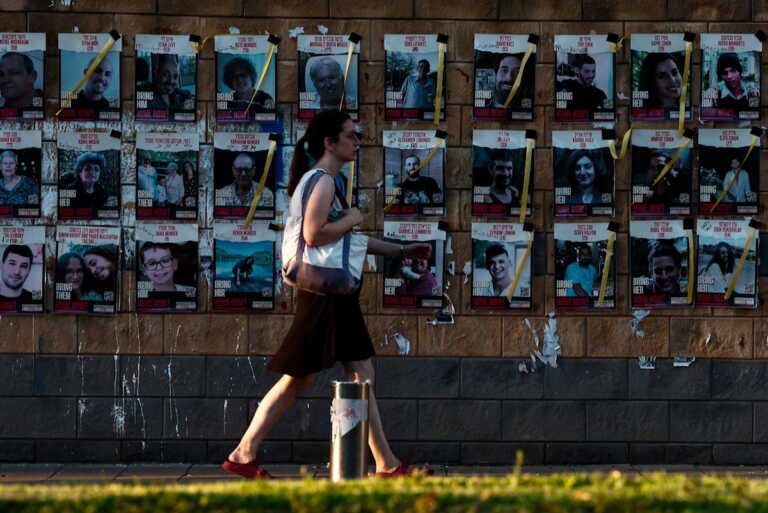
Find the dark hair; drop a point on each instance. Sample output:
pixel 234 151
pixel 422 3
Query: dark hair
pixel 501 155
pixel 327 123
pixel 107 251
pixel 728 265
pixel 29 66
pixel 235 64
pixel 664 249
pixel 156 245
pixel 580 59
pixel 501 56
pixel 63 261
pixel 648 73
pixel 728 60
pixel 17 250
pixel 90 282
pixel 425 61
pixel 90 158
pixel 494 250
pixel 599 183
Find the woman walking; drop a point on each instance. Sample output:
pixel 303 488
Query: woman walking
pixel 329 328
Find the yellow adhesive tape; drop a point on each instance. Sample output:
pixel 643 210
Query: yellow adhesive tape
pixel 691 264
pixel 262 184
pixel 606 268
pixel 526 179
pixel 742 261
pixel 350 51
pixel 441 47
pixel 519 79
pixel 624 146
pixel 350 182
pixel 672 162
pixel 520 267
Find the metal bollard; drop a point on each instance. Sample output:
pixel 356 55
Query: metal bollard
pixel 349 430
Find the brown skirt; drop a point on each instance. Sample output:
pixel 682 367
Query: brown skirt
pixel 325 329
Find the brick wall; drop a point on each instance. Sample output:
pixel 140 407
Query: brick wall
pixel 182 387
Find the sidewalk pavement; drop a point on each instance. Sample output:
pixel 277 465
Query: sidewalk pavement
pixel 188 473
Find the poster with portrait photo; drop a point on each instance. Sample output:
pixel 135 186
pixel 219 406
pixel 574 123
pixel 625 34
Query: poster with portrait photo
pixel 322 60
pixel 652 150
pixel 87 268
pixel 719 248
pixel 239 62
pixel 166 78
pixel 22 76
pixel 722 163
pixel 498 58
pixel 98 99
pixel 89 175
pixel 658 62
pixel 20 169
pixel 238 163
pixel 584 174
pixel 580 252
pixel 584 78
pixel 243 267
pixel 414 282
pixel 166 267
pixel 497 249
pixel 410 77
pixel 498 173
pixel 659 263
pixel 419 193
pixel 730 76
pixel 22 269
pixel 166 175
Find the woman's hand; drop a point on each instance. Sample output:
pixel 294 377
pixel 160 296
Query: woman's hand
pixel 354 215
pixel 418 250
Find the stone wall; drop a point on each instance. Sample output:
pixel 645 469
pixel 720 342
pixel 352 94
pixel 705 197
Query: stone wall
pixel 182 387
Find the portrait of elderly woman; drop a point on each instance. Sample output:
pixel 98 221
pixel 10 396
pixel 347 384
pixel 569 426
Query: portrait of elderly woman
pixel 89 193
pixel 15 189
pixel 241 76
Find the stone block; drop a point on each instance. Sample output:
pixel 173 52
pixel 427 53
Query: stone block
pixel 350 8
pixel 267 333
pixel 721 10
pixel 399 417
pixel 18 335
pixel 98 374
pixel 288 9
pixel 613 336
pixel 498 378
pixel 470 336
pixel 534 421
pixel 587 379
pixel 164 376
pixel 456 9
pixel 586 454
pixel 545 10
pixel 79 451
pixel 204 419
pixel 708 337
pixel 17 451
pixel 120 418
pixel 668 382
pixel 710 421
pixel 238 376
pixel 519 341
pixel 740 454
pixel 457 420
pixel 417 377
pixel 44 417
pixel 223 8
pixel 383 327
pixel 55 334
pixel 627 421
pixel 57 375
pixel 435 453
pixel 624 11
pixel 739 380
pixel 18 375
pixel 305 419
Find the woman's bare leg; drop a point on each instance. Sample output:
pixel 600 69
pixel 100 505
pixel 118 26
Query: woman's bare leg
pixel 386 461
pixel 271 408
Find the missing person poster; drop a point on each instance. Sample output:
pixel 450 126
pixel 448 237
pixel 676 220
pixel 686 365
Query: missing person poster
pixel 166 267
pixel 730 76
pixel 498 59
pixel 658 63
pixel 238 165
pixel 166 78
pixel 580 256
pixel 498 173
pixel 22 269
pixel 654 194
pixel 98 99
pixel 659 264
pixel 20 169
pixel 22 76
pixel 239 63
pixel 414 182
pixel 720 249
pixel 584 174
pixel 411 75
pixel 322 62
pixel 89 175
pixel 243 267
pixel 414 282
pixel 498 251
pixel 724 166
pixel 166 175
pixel 584 78
pixel 87 268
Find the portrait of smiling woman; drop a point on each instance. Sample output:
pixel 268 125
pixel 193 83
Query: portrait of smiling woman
pixel 587 178
pixel 661 77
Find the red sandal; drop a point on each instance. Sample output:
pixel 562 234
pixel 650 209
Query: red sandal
pixel 250 470
pixel 403 469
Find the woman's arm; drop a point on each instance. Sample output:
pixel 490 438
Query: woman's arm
pixel 317 230
pixel 391 249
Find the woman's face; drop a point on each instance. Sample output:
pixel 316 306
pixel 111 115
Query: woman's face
pixel 667 82
pixel 89 174
pixel 73 273
pixel 8 167
pixel 100 267
pixel 189 170
pixel 242 83
pixel 159 266
pixel 722 253
pixel 347 144
pixel 584 172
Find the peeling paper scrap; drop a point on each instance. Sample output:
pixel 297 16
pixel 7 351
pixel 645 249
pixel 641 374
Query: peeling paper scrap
pixel 535 335
pixel 322 29
pixel 522 368
pixel 234 30
pixel 371 259
pixel 294 32
pixel 604 124
pixel 449 245
pixel 551 347
pixel 452 268
pixel 683 361
pixel 647 362
pixel 621 96
pixel 638 315
pixel 467 270
pixel 403 344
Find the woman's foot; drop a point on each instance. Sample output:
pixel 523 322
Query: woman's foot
pixel 403 469
pixel 250 470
